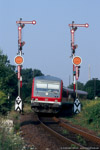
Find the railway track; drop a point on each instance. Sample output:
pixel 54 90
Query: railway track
pixel 53 133
pixel 72 135
pixel 86 135
pixel 35 135
pixel 54 128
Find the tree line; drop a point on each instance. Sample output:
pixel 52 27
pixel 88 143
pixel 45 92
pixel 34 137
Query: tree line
pixel 9 81
pixel 92 87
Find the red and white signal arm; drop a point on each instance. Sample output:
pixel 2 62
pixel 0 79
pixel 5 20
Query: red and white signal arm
pixel 76 60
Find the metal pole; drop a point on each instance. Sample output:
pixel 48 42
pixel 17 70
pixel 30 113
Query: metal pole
pixel 76 88
pixel 18 87
pixel 73 28
pixel 21 24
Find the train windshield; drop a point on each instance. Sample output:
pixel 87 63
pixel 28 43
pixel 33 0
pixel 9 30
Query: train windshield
pixel 49 89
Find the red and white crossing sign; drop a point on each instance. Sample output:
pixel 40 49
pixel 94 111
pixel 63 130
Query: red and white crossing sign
pixel 79 25
pixel 26 22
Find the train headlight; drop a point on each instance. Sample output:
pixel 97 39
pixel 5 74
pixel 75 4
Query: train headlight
pixel 56 100
pixel 46 93
pixel 36 99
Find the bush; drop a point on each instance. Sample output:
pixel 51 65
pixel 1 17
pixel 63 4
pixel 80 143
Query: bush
pixel 89 117
pixel 9 140
pixel 94 114
pixel 3 103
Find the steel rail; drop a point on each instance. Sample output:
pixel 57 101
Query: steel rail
pixel 88 136
pixel 62 138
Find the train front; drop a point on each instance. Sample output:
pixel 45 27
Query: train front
pixel 46 94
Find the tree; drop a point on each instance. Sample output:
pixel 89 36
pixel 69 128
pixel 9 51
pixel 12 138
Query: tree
pixel 37 72
pixel 93 88
pixel 3 103
pixel 8 79
pixel 80 86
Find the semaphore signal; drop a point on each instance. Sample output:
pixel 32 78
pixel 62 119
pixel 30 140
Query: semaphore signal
pixel 26 22
pixel 19 59
pixel 75 60
pixel 79 25
pixel 21 25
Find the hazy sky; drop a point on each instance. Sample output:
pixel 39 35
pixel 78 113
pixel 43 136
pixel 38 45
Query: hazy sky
pixel 48 42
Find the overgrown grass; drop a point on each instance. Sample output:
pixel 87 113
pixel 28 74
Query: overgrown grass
pixel 27 108
pixel 12 140
pixel 16 115
pixel 81 140
pixel 89 117
pixel 9 140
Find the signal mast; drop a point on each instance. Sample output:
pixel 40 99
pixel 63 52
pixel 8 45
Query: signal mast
pixel 19 60
pixel 76 60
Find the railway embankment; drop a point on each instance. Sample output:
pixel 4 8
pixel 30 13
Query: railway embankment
pixel 26 131
pixel 9 138
pixel 10 133
pixel 89 117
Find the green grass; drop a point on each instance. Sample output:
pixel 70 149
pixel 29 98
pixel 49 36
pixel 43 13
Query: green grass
pixel 9 140
pixel 89 117
pixel 65 132
pixel 27 108
pixel 81 140
pixel 12 140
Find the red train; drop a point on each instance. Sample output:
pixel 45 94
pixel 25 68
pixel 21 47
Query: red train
pixel 48 94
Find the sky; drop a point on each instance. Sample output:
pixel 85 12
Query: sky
pixel 48 42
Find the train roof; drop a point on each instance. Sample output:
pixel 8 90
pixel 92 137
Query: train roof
pixel 78 91
pixel 48 77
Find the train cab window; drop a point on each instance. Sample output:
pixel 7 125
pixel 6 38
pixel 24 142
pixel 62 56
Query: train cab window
pixel 54 88
pixel 41 87
pixel 44 88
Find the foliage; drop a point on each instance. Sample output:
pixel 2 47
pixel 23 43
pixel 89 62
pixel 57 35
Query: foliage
pixel 89 117
pixel 8 82
pixel 81 140
pixel 3 103
pixel 80 86
pixel 8 79
pixel 93 88
pixel 9 140
pixel 91 113
pixel 27 108
pixel 3 98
